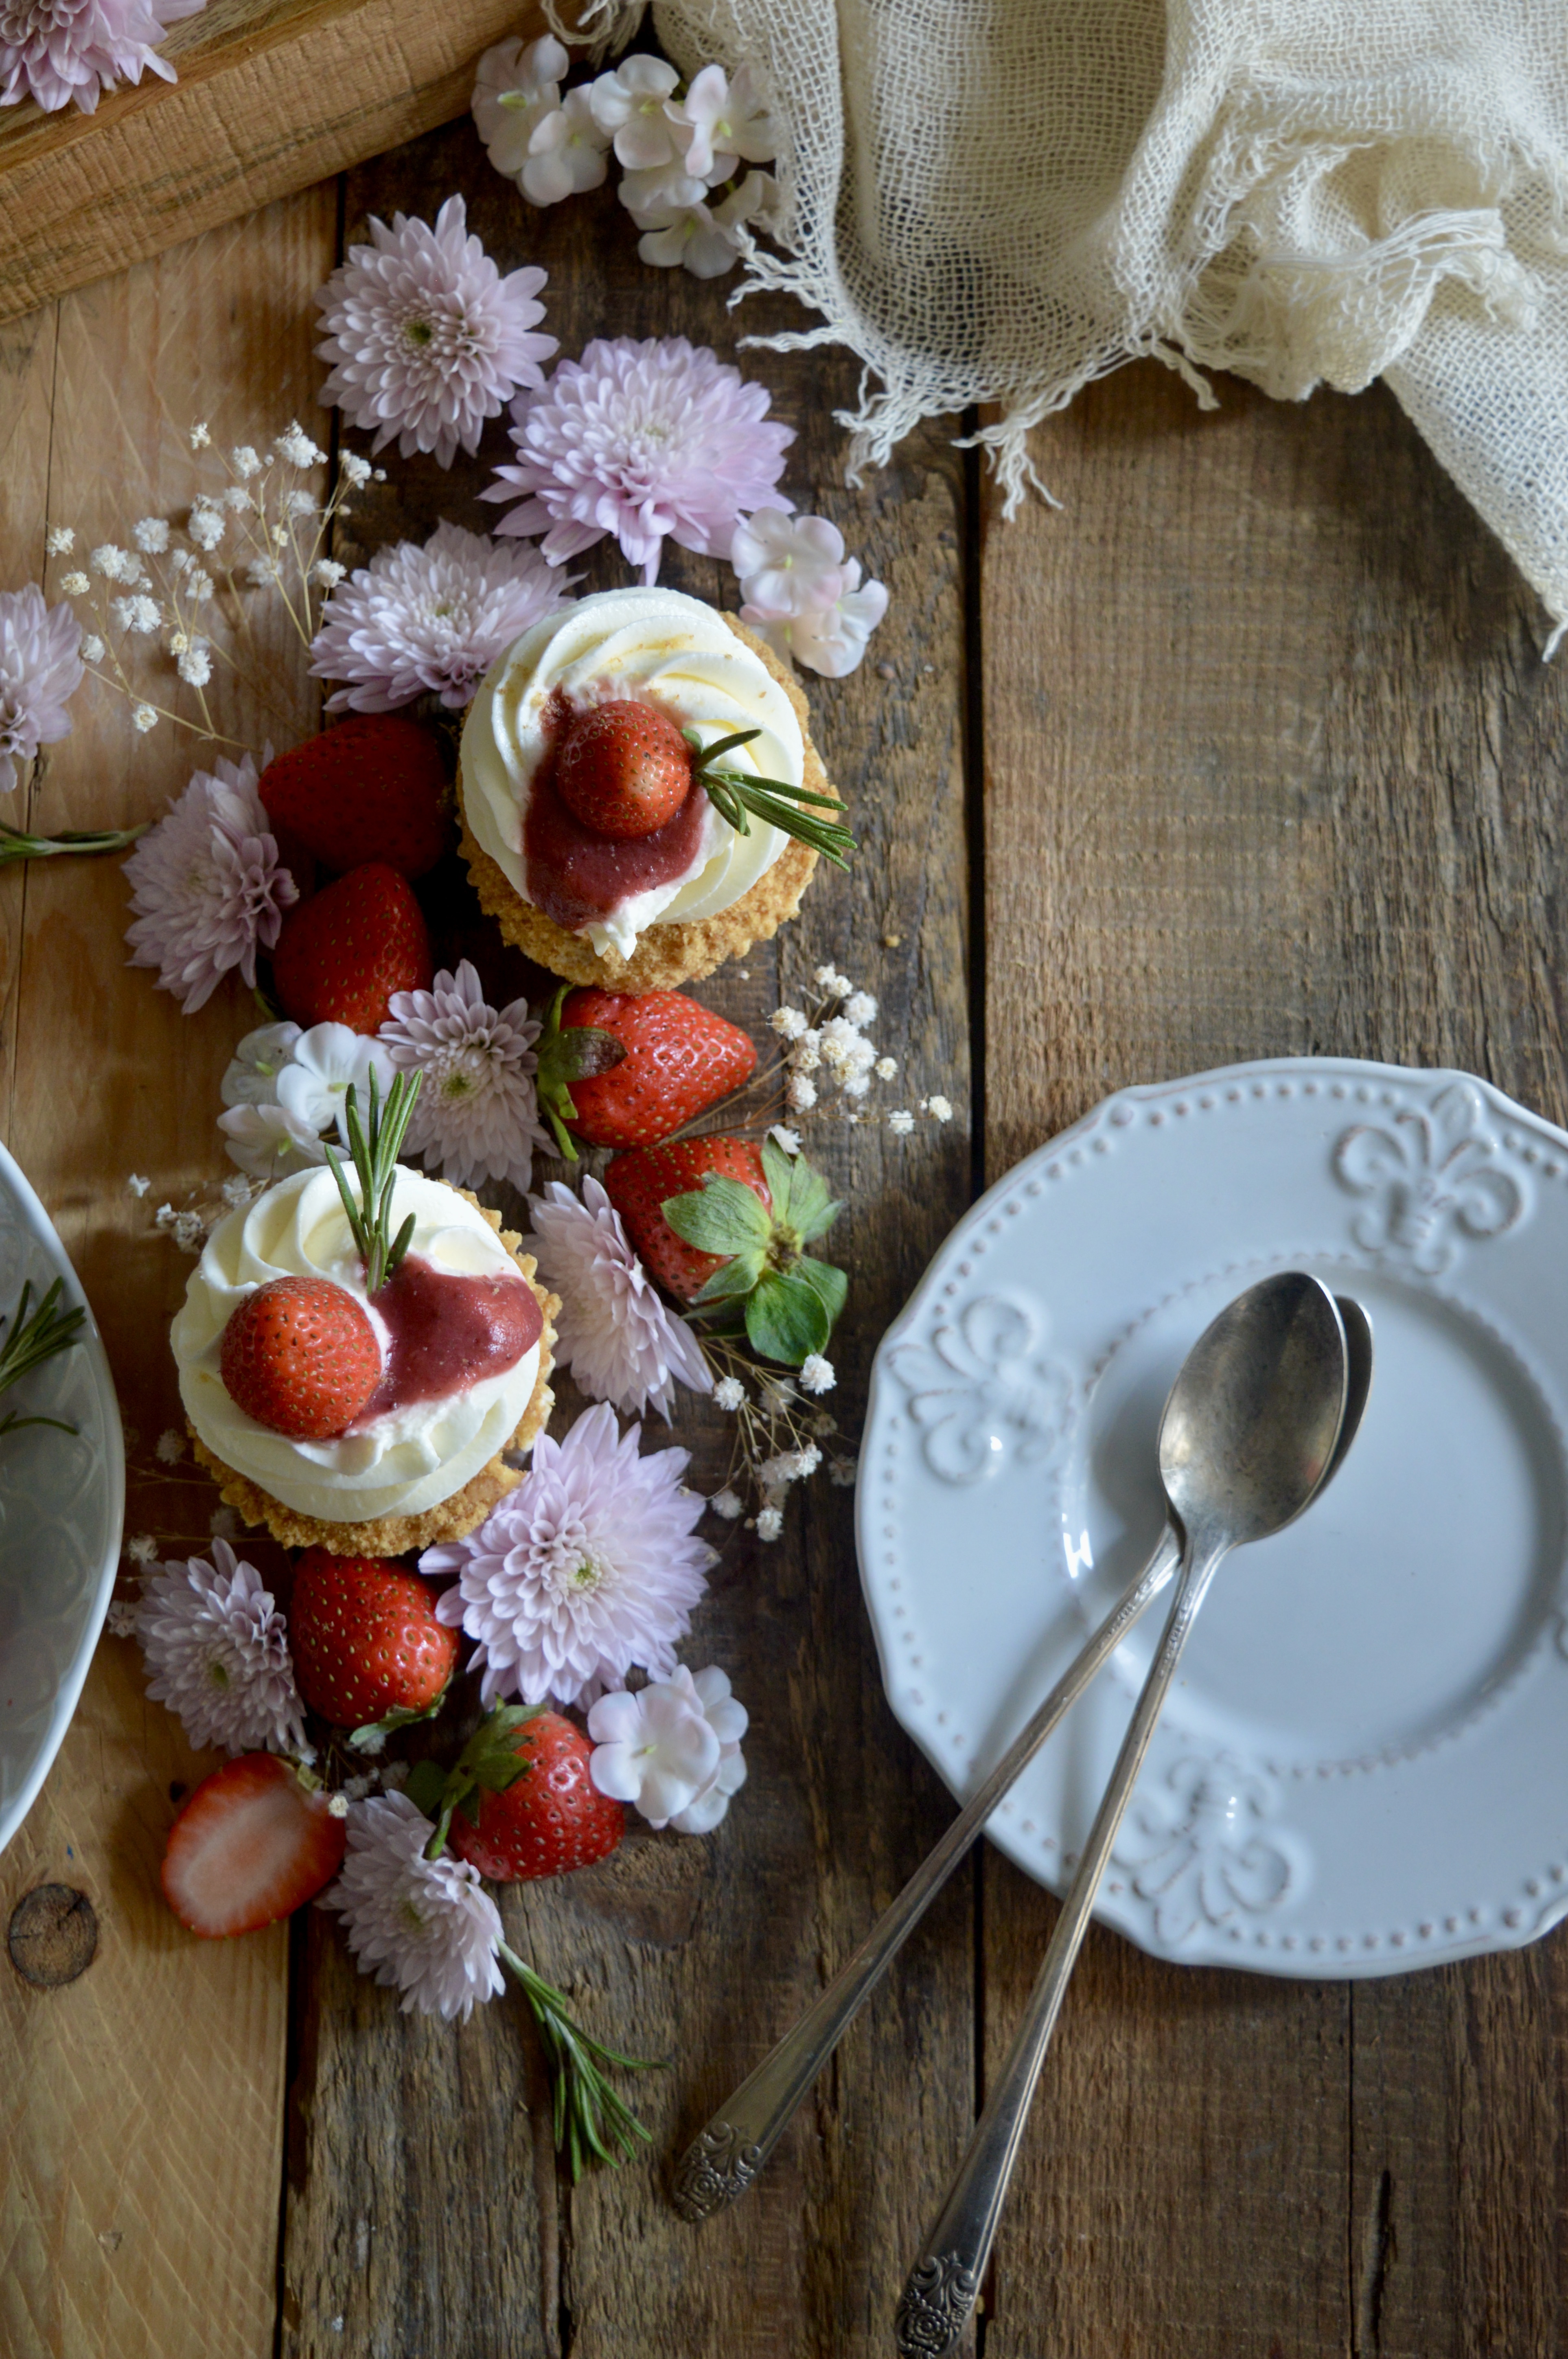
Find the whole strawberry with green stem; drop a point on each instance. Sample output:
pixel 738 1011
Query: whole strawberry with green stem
pixel 369 1653
pixel 625 1069
pixel 725 1226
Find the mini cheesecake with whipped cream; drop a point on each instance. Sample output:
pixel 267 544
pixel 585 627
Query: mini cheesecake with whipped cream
pixel 385 1399
pixel 643 905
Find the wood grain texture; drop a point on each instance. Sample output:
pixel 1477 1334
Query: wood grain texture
pixel 702 1952
pixel 273 96
pixel 1272 766
pixel 143 2104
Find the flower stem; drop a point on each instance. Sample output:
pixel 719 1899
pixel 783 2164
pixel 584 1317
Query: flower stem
pixel 586 2110
pixel 15 844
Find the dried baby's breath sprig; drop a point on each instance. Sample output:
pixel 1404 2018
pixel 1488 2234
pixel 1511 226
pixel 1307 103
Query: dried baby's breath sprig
pixel 780 1439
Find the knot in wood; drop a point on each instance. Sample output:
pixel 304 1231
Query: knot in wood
pixel 52 1936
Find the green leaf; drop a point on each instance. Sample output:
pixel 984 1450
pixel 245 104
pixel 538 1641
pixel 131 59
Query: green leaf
pixel 491 1757
pixel 374 1735
pixel 830 1285
pixel 737 1275
pixel 778 1170
pixel 722 1216
pixel 786 1320
pixel 811 1209
pixel 426 1787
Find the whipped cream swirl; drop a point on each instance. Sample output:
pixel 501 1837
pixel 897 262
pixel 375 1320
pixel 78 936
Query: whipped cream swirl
pixel 399 1464
pixel 663 649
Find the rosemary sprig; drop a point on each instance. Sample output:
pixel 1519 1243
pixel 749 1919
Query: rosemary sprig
pixel 373 1146
pixel 16 844
pixel 739 798
pixel 590 2121
pixel 31 1341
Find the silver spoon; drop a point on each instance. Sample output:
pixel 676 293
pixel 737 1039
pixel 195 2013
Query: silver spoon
pixel 724 2157
pixel 1247 1435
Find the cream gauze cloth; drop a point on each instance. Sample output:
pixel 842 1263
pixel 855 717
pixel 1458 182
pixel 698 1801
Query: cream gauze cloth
pixel 996 201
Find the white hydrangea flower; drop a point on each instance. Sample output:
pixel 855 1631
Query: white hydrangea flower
pixel 829 640
pixel 720 122
pixel 631 107
pixel 565 153
pixel 517 84
pixel 672 1750
pixel 323 1065
pixel 269 1142
pixel 700 237
pixel 728 1721
pixel 253 1068
pixel 788 565
pixel 658 189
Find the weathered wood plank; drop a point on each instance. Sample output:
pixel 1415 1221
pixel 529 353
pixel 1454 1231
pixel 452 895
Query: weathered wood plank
pixel 143 2104
pixel 273 96
pixel 704 1951
pixel 1271 767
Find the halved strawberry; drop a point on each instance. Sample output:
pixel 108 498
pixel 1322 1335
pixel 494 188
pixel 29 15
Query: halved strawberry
pixel 251 1845
pixel 539 1813
pixel 726 1228
pixel 624 1069
pixel 373 787
pixel 623 770
pixel 300 1356
pixel 365 1640
pixel 343 953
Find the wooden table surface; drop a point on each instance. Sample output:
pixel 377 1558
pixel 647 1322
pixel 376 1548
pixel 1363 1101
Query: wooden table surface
pixel 1248 751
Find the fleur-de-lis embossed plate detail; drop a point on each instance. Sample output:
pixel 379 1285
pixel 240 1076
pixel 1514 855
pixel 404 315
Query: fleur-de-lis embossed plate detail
pixel 62 1499
pixel 1358 1771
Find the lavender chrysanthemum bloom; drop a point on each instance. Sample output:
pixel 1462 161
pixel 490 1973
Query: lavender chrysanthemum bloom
pixel 56 50
pixel 586 1570
pixel 425 1927
pixel 430 621
pixel 427 337
pixel 218 1651
pixel 477 1113
pixel 207 885
pixel 643 440
pixel 40 671
pixel 613 1333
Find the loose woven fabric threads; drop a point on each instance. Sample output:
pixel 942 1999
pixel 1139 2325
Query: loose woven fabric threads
pixel 998 201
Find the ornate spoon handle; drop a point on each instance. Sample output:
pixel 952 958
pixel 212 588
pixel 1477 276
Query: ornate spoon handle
pixel 941 2288
pixel 722 2159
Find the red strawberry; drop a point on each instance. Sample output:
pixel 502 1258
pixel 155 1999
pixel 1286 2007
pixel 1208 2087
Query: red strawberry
pixel 675 1057
pixel 640 1183
pixel 343 953
pixel 623 770
pixel 366 1639
pixel 551 1819
pixel 300 1356
pixel 251 1845
pixel 372 788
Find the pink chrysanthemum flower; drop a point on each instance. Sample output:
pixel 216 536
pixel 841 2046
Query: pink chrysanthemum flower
pixel 56 50
pixel 587 1570
pixel 425 1927
pixel 645 440
pixel 427 339
pixel 613 1332
pixel 40 671
pixel 477 1113
pixel 217 1649
pixel 431 621
pixel 207 885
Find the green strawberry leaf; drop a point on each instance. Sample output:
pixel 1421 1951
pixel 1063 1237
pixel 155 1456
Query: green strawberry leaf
pixel 811 1209
pixel 491 1757
pixel 787 1319
pixel 375 1733
pixel 778 1169
pixel 426 1788
pixel 722 1216
pixel 830 1285
pixel 737 1275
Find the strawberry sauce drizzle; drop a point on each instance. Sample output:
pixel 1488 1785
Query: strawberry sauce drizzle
pixel 577 876
pixel 447 1331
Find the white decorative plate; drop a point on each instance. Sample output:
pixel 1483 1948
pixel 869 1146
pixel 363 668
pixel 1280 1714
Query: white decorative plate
pixel 62 1502
pixel 1364 1765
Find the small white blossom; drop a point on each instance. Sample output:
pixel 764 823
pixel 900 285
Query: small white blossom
pixel 806 1055
pixel 729 1392
pixel 261 571
pixel 817 1373
pixel 336 1806
pixel 565 152
pixel 181 561
pixel 269 1141
pixel 237 500
pixel 901 1121
pixel 122 1618
pixel 243 461
pixel 656 189
pixel 236 1191
pixel 169 1448
pixel 223 1523
pixel 323 1065
pixel 75 585
pixel 143 718
pixel 328 573
pixel 296 446
pixel 843 1471
pixel 827 978
pixel 195 666
pixel 861 1008
pixel 787 565
pixel 151 534
pixel 136 1185
pixel 516 85
pixel 628 107
pixel 59 540
pixel 140 615
pixel 113 563
pixel 142 1550
pixel 939 1107
pixel 770 1524
pixel 788 1023
pixel 672 1750
pixel 800 1094
pixel 355 470
pixel 252 1076
pixel 886 1068
pixel 787 1141
pixel 724 1503
pixel 721 123
pixel 200 436
pixel 701 238
pixel 92 648
pixel 205 527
